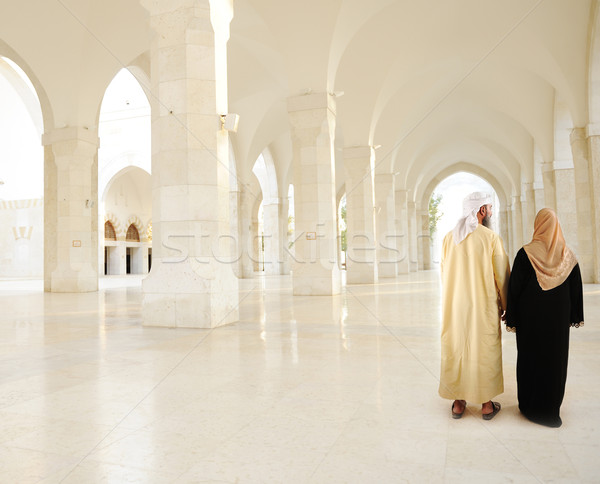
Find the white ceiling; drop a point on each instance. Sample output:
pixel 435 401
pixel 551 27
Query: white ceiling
pixel 436 83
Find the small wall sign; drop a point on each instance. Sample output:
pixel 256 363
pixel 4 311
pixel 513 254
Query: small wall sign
pixel 311 236
pixel 77 243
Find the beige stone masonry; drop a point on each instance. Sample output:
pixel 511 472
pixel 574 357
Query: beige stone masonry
pixel 315 268
pixel 273 258
pixel 361 258
pixel 516 227
pixel 413 236
pixel 401 220
pixel 70 244
pixel 583 201
pixel 424 242
pixel 385 207
pixel 191 283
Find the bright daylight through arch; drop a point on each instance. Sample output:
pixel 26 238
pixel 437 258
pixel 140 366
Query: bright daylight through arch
pixel 453 190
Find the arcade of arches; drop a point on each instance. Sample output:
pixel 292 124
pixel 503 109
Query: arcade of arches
pixel 517 107
pixel 205 145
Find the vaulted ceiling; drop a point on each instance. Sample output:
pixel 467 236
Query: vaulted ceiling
pixel 435 83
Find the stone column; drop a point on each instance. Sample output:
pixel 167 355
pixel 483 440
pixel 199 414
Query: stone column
pixel 564 196
pixel 256 253
pixel 283 237
pixel 191 283
pixel 585 256
pixel 503 224
pixel 235 231
pixel 120 257
pixel 144 255
pixel 516 227
pixel 246 241
pixel 424 240
pixel 387 253
pixel 402 243
pixel 539 197
pixel 510 240
pixel 271 214
pixel 549 186
pixel 361 264
pixel 527 210
pixel 413 256
pixel 137 259
pixel 71 210
pixel 315 268
pixel 593 133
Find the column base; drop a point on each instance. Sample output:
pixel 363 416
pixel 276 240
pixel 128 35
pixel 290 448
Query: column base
pixel 312 279
pixel 387 269
pixel 69 280
pixel 361 273
pixel 176 296
pixel 404 267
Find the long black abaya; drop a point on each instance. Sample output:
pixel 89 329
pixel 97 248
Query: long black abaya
pixel 542 320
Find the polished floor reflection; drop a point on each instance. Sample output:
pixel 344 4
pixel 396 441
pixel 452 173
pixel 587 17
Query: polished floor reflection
pixel 301 389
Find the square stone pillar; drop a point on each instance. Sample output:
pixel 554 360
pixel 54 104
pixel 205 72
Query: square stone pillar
pixel 138 257
pixel 120 257
pixel 361 261
pixel 527 210
pixel 256 252
pixel 246 246
pixel 583 200
pixel 503 224
pixel 191 283
pixel 284 206
pixel 549 186
pixel 593 133
pixel 413 230
pixel 271 214
pixel 143 251
pixel 539 197
pixel 236 230
pixel 315 267
pixel 71 211
pixel 560 191
pixel 387 252
pixel 510 248
pixel 402 244
pixel 516 227
pixel 424 240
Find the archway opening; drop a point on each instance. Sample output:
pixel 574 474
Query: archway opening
pixel 446 201
pixel 270 219
pixel 128 205
pixel 124 167
pixel 21 175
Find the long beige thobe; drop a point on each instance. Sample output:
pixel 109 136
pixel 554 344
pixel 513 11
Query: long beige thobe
pixel 474 285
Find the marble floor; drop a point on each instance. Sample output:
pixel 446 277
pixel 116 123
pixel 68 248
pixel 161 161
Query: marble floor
pixel 300 390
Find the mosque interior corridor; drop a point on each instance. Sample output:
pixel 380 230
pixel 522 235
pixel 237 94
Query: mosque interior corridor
pixel 221 223
pixel 302 389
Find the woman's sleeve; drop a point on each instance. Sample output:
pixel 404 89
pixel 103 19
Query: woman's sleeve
pixel 516 284
pixel 576 289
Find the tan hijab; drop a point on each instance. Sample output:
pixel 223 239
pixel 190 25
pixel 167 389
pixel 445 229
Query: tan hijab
pixel 548 253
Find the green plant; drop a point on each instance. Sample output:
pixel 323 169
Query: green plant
pixel 343 227
pixel 434 213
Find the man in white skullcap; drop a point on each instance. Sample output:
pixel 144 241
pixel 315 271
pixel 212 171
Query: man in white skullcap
pixel 475 273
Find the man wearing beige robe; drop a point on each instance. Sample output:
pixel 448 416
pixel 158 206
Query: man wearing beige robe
pixel 475 273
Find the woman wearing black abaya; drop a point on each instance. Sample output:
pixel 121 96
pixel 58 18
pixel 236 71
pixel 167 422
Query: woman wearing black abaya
pixel 545 298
